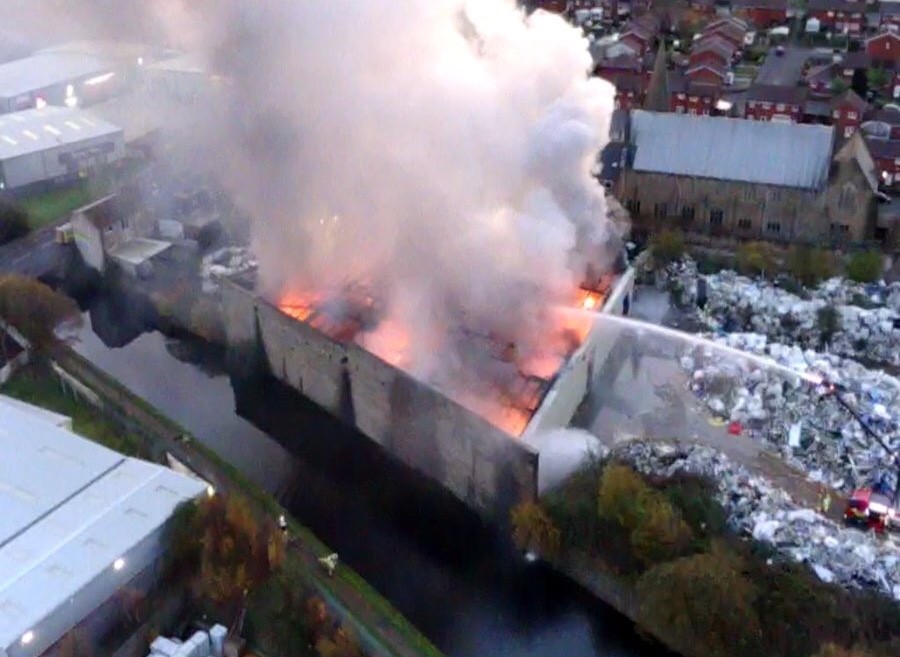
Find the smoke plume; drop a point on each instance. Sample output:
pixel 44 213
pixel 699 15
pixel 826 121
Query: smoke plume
pixel 438 150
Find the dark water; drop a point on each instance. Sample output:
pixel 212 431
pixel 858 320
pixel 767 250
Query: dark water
pixel 455 579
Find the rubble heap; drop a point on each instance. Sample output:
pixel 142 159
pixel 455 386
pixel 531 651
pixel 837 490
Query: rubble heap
pixel 226 262
pixel 848 557
pixel 789 415
pixel 738 303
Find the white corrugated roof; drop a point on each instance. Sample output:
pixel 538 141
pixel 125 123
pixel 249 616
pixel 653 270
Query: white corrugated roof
pixel 68 509
pixel 36 130
pixel 23 76
pixel 764 152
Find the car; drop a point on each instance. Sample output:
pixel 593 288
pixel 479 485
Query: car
pixel 779 50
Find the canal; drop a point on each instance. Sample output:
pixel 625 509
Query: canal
pixel 455 579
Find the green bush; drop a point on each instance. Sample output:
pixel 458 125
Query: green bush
pixel 703 604
pixel 667 246
pixel 809 266
pixel 13 221
pixel 695 499
pixel 865 266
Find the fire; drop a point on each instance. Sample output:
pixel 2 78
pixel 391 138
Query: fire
pixel 353 315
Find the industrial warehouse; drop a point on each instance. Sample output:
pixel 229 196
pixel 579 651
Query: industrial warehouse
pixel 55 78
pixel 55 144
pixel 77 522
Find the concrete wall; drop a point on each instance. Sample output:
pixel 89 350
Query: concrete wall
pixel 481 465
pixel 571 385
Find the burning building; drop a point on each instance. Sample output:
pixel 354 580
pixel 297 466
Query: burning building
pixel 464 427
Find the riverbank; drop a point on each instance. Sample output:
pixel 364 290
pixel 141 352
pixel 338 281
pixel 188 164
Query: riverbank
pixel 380 629
pixel 661 549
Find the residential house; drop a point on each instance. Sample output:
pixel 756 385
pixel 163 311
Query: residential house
pixel 838 15
pixel 707 73
pixel 769 102
pixel 716 51
pixel 884 48
pixel 688 97
pixel 762 14
pixel 629 89
pixel 731 29
pixel 750 180
pixel 886 154
pixel 639 35
pixel 847 112
pixel 625 72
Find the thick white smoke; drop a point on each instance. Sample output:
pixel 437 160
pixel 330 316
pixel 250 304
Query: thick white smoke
pixel 438 149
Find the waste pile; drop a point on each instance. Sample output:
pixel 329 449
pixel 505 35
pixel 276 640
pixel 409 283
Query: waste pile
pixel 755 508
pixel 789 413
pixel 226 262
pixel 867 325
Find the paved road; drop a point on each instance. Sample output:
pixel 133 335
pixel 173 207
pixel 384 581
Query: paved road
pixel 35 255
pixel 784 70
pixel 647 396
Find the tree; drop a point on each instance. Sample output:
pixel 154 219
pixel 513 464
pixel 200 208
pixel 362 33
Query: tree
pixel 668 246
pixel 755 259
pixel 661 535
pixel 865 266
pixel 534 530
pixel 35 310
pixel 13 221
pixel 838 86
pixel 618 499
pixel 221 543
pixel 702 604
pixel 878 78
pixel 238 553
pixel 809 266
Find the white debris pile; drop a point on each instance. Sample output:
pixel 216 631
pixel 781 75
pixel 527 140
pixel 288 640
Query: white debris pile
pixel 789 413
pixel 738 303
pixel 851 558
pixel 226 262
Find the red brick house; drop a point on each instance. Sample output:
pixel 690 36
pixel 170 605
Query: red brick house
pixel 707 73
pixel 762 14
pixel 884 47
pixel 847 112
pixel 769 102
pixel 886 155
pixel 630 88
pixel 637 38
pixel 838 15
pixel 715 51
pixel 727 29
pixel 688 97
